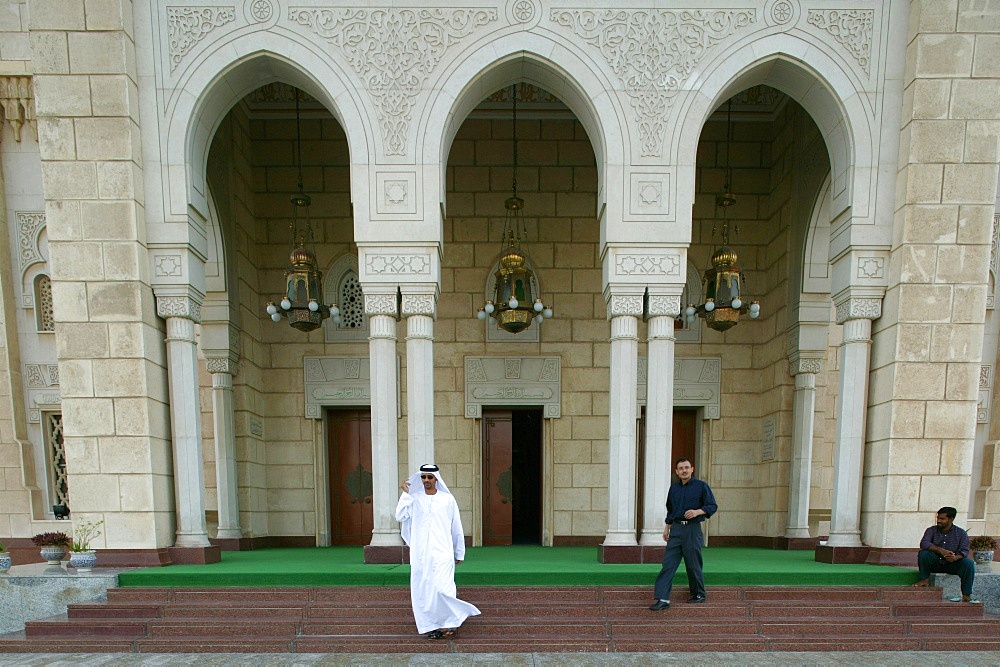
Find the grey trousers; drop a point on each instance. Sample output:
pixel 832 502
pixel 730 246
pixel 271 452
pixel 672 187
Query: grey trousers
pixel 685 542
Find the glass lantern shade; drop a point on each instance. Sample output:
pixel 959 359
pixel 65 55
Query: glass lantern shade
pixel 303 281
pixel 513 280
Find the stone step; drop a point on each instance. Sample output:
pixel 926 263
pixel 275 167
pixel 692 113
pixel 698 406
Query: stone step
pixel 62 626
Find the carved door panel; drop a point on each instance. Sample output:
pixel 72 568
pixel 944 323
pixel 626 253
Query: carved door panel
pixel 350 454
pixel 498 522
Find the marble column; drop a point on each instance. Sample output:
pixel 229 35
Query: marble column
pixel 856 315
pixel 803 422
pixel 181 314
pixel 624 311
pixel 223 419
pixel 659 416
pixel 419 311
pixel 381 310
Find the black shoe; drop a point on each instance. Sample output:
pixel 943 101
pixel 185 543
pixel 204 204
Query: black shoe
pixel 659 605
pixel 697 598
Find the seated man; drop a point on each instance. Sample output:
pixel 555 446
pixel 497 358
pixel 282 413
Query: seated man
pixel 945 548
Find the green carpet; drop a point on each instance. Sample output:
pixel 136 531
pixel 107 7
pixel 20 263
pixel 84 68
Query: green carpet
pixel 513 566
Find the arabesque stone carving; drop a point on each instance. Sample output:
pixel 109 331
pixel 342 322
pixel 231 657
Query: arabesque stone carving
pixel 852 28
pixel 190 25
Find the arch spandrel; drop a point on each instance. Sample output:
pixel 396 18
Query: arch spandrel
pixel 217 82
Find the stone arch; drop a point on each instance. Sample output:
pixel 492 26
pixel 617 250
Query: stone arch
pixel 828 93
pixel 561 71
pixel 224 77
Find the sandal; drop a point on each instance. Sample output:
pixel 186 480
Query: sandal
pixel 435 634
pixel 448 633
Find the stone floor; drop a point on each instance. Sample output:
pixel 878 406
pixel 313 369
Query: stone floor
pixel 888 659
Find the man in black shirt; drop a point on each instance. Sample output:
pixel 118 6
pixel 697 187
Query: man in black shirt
pixel 945 548
pixel 689 502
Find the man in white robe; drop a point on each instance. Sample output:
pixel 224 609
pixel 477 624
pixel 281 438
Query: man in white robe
pixel 428 516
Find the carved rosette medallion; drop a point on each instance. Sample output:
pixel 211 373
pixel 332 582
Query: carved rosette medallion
pixel 619 305
pixel 394 51
pixel 668 305
pixel 852 28
pixel 178 306
pixel 859 309
pixel 653 52
pixel 523 12
pixel 781 12
pixel 259 11
pixel 189 25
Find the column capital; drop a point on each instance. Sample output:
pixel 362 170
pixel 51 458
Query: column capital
pixel 174 303
pixel 799 363
pixel 382 304
pixel 228 364
pixel 624 300
pixel 668 305
pixel 852 305
pixel 419 304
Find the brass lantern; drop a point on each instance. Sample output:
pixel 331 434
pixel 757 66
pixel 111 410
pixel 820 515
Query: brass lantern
pixel 724 283
pixel 302 302
pixel 514 305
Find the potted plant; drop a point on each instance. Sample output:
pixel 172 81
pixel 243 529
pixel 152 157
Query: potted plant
pixel 982 547
pixel 83 557
pixel 54 546
pixel 4 559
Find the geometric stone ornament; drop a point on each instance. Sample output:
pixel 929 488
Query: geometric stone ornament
pixel 394 50
pixel 859 308
pixel 653 52
pixel 781 12
pixel 851 28
pixel 513 381
pixel 395 192
pixel 339 381
pixel 189 25
pixel 985 397
pixel 768 427
pixel 650 194
pixel 697 384
pixel 178 306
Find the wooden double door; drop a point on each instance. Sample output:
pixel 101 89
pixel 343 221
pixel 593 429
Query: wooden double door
pixel 349 452
pixel 512 476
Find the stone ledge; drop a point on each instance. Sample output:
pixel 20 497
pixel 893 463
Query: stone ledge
pixel 29 592
pixel 986 587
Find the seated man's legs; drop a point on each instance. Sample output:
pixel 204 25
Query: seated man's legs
pixel 928 562
pixel 966 571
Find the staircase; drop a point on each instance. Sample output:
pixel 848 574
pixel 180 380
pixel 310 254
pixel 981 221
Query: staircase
pixel 536 619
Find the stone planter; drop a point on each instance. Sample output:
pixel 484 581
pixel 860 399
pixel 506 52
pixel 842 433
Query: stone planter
pixel 4 562
pixel 83 561
pixel 981 557
pixel 53 555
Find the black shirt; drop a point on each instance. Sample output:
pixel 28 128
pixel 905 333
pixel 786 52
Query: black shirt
pixel 695 495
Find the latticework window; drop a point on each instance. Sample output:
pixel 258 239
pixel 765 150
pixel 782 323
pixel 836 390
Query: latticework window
pixel 57 457
pixel 352 304
pixel 43 304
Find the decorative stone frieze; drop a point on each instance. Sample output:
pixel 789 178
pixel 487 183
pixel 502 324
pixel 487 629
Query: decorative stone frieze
pixel 851 28
pixel 653 52
pixel 697 383
pixel 394 51
pixel 189 25
pixel 513 381
pixel 41 375
pixel 856 308
pixel 29 228
pixel 398 265
pixel 629 264
pixel 768 431
pixel 17 104
pixel 222 365
pixel 798 365
pixel 335 382
pixel 985 398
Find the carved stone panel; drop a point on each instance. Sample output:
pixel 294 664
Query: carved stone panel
pixel 697 383
pixel 339 381
pixel 494 381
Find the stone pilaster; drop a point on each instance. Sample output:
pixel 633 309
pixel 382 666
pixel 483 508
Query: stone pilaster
pixel 181 314
pixel 223 420
pixel 382 311
pixel 624 310
pixel 804 369
pixel 659 415
pixel 419 310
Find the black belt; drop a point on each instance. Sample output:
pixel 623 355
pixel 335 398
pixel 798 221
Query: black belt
pixel 684 523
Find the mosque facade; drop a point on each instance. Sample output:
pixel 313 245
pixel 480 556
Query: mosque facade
pixel 835 159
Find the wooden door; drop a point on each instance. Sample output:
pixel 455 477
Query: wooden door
pixel 684 444
pixel 349 443
pixel 498 519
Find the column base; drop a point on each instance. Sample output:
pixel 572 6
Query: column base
pixel 842 555
pixel 194 555
pixel 638 554
pixel 386 555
